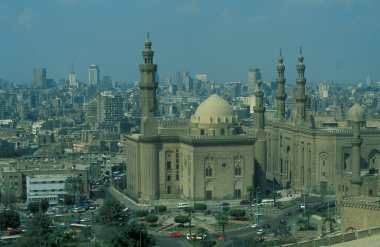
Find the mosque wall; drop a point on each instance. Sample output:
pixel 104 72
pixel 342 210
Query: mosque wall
pixel 212 172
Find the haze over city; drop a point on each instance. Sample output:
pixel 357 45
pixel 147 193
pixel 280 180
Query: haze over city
pixel 219 38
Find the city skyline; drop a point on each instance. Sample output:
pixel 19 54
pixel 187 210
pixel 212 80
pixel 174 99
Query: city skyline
pixel 217 38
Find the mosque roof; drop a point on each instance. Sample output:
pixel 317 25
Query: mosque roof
pixel 213 110
pixel 356 113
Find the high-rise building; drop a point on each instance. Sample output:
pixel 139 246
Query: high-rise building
pixel 73 80
pixel 93 75
pixel 254 75
pixel 39 75
pixel 110 107
pixel 202 78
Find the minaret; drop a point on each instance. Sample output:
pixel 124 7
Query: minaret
pixel 259 109
pixel 300 94
pixel 356 117
pixel 281 95
pixel 148 88
pixel 149 158
pixel 260 164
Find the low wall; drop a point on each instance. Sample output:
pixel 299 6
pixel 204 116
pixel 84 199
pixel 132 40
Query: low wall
pixel 336 239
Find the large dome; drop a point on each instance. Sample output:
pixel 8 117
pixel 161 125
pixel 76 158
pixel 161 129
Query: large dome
pixel 356 113
pixel 214 110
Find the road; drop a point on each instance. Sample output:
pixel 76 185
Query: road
pixel 239 237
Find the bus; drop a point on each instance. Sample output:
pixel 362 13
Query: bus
pixel 267 201
pixel 9 239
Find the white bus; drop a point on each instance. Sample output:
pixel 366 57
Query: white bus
pixel 267 202
pixel 9 239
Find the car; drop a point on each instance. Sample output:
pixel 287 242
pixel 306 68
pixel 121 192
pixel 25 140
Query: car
pixel 195 237
pixel 288 213
pixel 260 231
pixel 255 225
pixel 176 234
pixel 244 202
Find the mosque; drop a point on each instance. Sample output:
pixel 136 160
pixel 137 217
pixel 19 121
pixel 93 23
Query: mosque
pixel 212 157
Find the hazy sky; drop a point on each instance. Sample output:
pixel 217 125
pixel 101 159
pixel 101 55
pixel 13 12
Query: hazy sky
pixel 220 38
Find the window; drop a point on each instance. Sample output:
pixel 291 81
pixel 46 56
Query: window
pixel 168 165
pixel 202 132
pixel 238 170
pixel 168 190
pixel 237 194
pixel 169 177
pixel 323 174
pixel 208 172
pixel 177 176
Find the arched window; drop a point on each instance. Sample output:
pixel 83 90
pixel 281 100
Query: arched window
pixel 238 170
pixel 208 172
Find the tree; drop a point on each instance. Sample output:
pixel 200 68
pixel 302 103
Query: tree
pixel 141 213
pixel 200 206
pixel 161 208
pixel 38 230
pixel 132 234
pixel 301 223
pixel 189 210
pixel 73 186
pixel 181 219
pixel 202 231
pixel 9 218
pixel 110 213
pixel 237 213
pixel 222 219
pixel 151 218
pixel 44 203
pixel 33 207
pixel 250 190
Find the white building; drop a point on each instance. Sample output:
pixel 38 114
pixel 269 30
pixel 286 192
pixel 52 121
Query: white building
pixel 51 187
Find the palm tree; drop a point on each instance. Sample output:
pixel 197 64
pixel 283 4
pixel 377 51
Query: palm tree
pixel 74 185
pixel 222 219
pixel 250 190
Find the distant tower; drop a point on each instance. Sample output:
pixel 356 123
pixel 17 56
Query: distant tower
pixel 300 94
pixel 93 75
pixel 110 107
pixel 39 75
pixel 148 87
pixel 73 78
pixel 281 95
pixel 254 75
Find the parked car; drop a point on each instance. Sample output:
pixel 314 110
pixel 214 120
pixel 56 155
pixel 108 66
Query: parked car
pixel 260 231
pixel 176 234
pixel 288 213
pixel 244 202
pixel 255 225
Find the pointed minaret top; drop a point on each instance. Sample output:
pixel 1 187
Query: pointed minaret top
pixel 148 43
pixel 300 56
pixel 280 58
pixel 259 82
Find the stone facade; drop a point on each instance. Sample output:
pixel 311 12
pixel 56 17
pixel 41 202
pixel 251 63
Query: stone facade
pixel 359 213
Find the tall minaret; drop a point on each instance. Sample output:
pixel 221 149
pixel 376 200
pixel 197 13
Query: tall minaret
pixel 281 95
pixel 260 165
pixel 149 157
pixel 300 94
pixel 259 109
pixel 356 117
pixel 148 87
